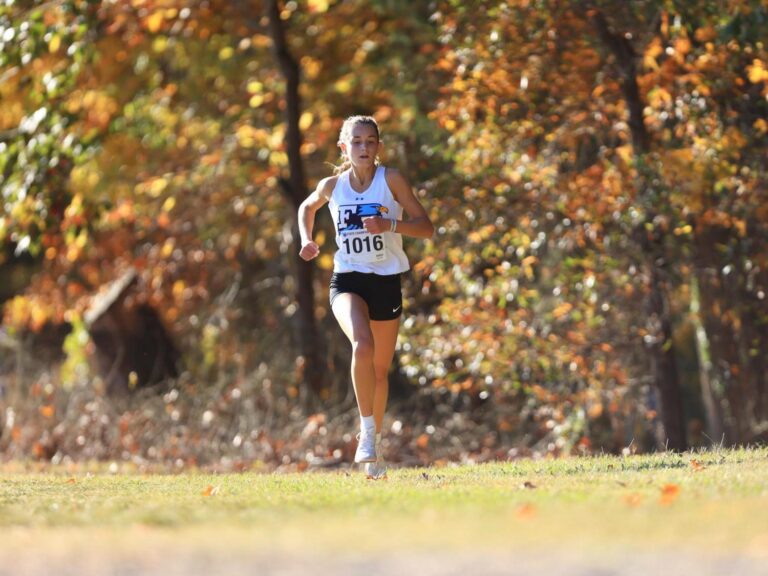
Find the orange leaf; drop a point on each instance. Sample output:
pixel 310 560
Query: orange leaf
pixel 562 310
pixel 633 500
pixel 526 511
pixel 211 490
pixel 697 466
pixel 669 493
pixel 422 441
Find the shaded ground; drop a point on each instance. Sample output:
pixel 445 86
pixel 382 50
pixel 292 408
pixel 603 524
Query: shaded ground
pixel 153 554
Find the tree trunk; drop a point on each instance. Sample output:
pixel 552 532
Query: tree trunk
pixel 133 349
pixel 665 374
pixel 710 385
pixel 295 190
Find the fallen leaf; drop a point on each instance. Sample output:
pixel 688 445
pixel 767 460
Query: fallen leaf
pixel 71 481
pixel 211 490
pixel 697 466
pixel 669 493
pixel 633 500
pixel 526 511
pixel 528 485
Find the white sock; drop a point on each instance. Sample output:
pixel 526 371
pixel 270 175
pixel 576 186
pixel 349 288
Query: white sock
pixel 367 424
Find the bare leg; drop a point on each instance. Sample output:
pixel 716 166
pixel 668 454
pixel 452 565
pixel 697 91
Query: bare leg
pixel 351 312
pixel 384 340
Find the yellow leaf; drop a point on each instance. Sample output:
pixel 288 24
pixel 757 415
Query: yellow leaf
pixel 169 203
pixel 318 5
pixel 306 120
pixel 82 239
pixel 155 21
pixel 168 247
pixel 757 72
pixel 159 45
pixel 311 67
pixel 325 262
pixel 245 136
pixel 54 44
pixel 649 58
pixel 625 153
pixel 343 85
pixel 659 97
pixel 157 187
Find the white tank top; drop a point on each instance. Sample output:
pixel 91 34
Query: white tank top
pixel 359 251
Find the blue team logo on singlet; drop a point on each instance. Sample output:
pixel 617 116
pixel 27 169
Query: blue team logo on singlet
pixel 351 215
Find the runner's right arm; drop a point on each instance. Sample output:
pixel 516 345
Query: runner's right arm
pixel 307 211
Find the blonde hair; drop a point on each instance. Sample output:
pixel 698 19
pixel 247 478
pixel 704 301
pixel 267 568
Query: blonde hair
pixel 346 134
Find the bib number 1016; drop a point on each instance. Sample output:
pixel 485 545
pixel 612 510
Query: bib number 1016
pixel 358 245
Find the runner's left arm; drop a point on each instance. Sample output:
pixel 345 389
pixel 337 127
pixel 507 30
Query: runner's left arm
pixel 418 223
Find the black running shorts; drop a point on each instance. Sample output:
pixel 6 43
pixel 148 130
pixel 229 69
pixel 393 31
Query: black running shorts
pixel 381 293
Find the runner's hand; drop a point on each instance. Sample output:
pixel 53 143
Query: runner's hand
pixel 309 251
pixel 376 224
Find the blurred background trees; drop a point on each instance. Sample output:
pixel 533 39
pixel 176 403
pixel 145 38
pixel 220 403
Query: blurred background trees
pixel 596 171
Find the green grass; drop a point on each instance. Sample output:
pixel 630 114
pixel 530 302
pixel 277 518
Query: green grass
pixel 601 503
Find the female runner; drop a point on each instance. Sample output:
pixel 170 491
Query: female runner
pixel 366 201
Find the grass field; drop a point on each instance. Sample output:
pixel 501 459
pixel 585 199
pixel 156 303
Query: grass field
pixel 707 503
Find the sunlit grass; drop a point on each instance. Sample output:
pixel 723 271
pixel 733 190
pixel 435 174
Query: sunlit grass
pixel 709 501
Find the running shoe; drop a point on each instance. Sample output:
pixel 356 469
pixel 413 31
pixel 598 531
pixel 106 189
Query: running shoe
pixel 376 470
pixel 366 448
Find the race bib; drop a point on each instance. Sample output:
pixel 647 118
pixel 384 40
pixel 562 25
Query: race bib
pixel 355 242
